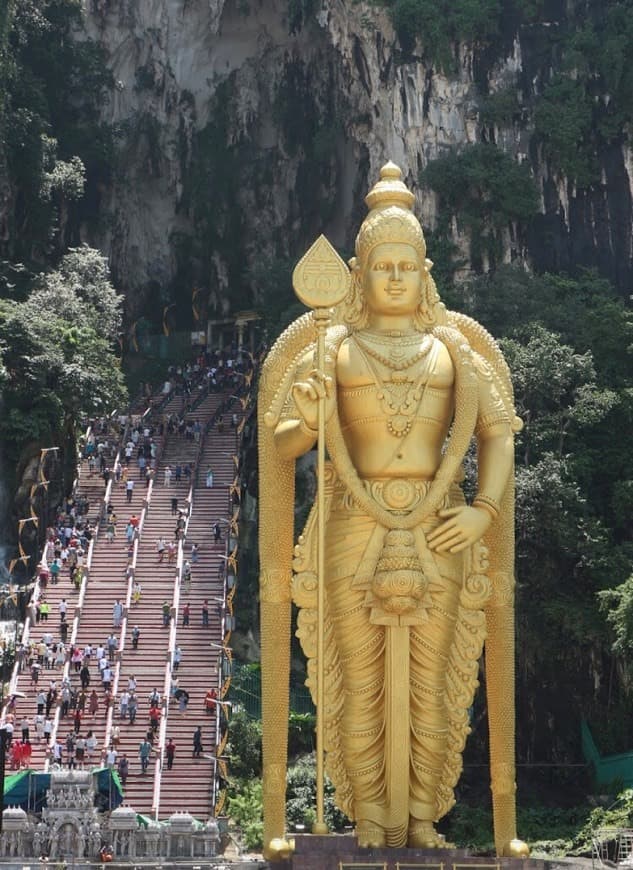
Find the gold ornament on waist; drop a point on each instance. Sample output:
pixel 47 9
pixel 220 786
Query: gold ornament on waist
pixel 399 583
pixel 399 493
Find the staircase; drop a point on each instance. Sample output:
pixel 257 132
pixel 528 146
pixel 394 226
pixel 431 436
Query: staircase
pixel 91 487
pixel 189 784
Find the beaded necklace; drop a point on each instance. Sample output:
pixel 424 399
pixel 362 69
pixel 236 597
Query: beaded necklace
pixel 399 398
pixel 396 360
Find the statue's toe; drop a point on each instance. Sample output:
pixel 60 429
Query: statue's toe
pixel 370 836
pixel 424 836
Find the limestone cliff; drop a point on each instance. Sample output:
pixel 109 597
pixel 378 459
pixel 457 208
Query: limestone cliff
pixel 246 127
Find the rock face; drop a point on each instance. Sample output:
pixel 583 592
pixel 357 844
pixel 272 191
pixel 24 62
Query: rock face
pixel 247 127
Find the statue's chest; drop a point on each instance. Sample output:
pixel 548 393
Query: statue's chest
pixel 361 364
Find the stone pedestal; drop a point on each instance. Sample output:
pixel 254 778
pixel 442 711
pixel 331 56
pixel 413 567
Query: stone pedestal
pixel 337 852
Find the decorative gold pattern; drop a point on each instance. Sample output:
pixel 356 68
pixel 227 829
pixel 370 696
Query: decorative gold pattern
pixel 274 586
pixel 399 399
pixel 321 279
pixel 396 361
pixel 502 776
pixel 404 621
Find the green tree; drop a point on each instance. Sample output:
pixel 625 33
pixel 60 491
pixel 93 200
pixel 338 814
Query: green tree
pixel 485 190
pixel 53 143
pixel 58 353
pixel 440 26
pixel 301 797
pixel 568 341
pixel 245 735
pixel 246 811
pixel 617 604
pixel 556 391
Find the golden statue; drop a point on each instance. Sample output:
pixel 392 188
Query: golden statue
pixel 415 578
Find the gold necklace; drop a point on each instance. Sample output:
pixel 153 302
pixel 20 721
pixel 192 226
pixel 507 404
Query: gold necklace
pixel 386 336
pixel 400 400
pixel 395 360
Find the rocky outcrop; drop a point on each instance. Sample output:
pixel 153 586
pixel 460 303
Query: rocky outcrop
pixel 244 128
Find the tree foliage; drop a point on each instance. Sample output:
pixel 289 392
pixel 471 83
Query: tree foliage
pixel 58 352
pixel 439 26
pixel 52 142
pixel 569 344
pixel 484 189
pixel 245 808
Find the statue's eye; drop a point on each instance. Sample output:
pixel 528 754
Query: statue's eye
pixel 381 267
pixel 408 267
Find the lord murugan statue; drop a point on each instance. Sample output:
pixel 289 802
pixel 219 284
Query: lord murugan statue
pixel 416 580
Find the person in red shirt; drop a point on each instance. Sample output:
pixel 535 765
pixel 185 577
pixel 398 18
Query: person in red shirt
pixel 209 701
pixel 154 718
pixel 170 751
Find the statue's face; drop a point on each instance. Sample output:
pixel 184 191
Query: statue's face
pixel 392 279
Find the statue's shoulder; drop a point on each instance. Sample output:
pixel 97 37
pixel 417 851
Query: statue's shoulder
pixel 489 362
pixel 442 367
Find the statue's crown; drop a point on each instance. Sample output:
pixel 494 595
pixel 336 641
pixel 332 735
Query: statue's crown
pixel 390 190
pixel 390 217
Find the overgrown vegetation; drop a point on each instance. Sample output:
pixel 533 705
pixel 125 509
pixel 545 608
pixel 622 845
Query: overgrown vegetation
pixel 245 803
pixel 59 314
pixel 440 26
pixel 57 354
pixel 569 346
pixel 54 148
pixel 550 831
pixel 484 189
pixel 580 98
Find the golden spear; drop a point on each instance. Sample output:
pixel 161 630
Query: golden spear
pixel 321 280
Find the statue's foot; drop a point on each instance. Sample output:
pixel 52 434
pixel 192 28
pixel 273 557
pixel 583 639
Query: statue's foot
pixel 369 835
pixel 422 835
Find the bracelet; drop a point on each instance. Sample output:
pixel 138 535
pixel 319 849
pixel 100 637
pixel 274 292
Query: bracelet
pixel 488 504
pixel 303 426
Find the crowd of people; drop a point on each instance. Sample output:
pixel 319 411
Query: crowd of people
pixel 65 553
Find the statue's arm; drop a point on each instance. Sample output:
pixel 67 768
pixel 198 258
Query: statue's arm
pixel 293 438
pixel 495 445
pixel 466 524
pixel 296 432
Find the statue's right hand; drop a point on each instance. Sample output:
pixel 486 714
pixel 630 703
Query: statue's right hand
pixel 307 394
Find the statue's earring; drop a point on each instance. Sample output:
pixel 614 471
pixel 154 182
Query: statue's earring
pixel 353 305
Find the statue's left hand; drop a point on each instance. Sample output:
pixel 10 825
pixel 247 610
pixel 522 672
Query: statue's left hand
pixel 463 527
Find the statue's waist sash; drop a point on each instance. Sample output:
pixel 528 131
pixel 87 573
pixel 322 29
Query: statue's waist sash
pixel 355 541
pixel 397 495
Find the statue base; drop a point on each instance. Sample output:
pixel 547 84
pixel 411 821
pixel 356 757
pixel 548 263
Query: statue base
pixel 342 852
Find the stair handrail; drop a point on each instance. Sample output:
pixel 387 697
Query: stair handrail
pixel 131 577
pixel 173 634
pixel 124 621
pixel 85 577
pixel 26 628
pixel 78 607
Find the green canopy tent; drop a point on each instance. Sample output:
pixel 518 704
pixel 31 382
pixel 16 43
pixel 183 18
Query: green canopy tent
pixel 27 789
